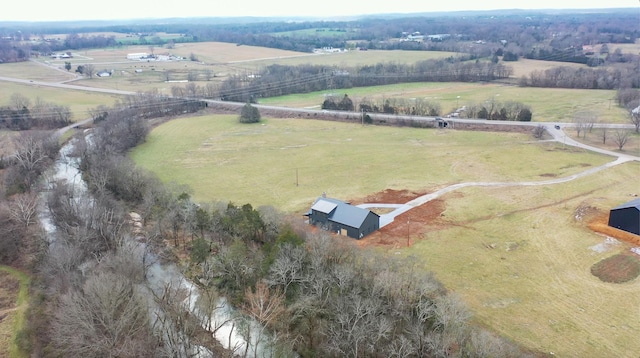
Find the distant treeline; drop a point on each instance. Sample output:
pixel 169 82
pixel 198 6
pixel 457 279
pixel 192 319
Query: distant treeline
pixel 587 78
pixel 278 80
pixel 539 35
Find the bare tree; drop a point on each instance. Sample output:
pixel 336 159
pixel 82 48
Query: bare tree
pixel 584 120
pixel 208 74
pixel 19 101
pixel 604 134
pixel 265 306
pixel 106 318
pixel 620 138
pixel 24 208
pixel 635 118
pixel 89 70
pixel 175 325
pixel 538 132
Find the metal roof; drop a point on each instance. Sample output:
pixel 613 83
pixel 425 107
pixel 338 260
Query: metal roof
pixel 344 213
pixel 635 203
pixel 324 206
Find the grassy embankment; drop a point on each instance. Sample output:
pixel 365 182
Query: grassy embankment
pixel 15 288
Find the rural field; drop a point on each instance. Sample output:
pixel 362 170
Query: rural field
pixel 547 104
pixel 221 159
pixel 519 256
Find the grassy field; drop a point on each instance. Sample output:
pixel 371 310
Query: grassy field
pixel 547 104
pixel 79 102
pixel 222 159
pixel 518 255
pixel 594 138
pixel 14 292
pixel 521 260
pixel 36 71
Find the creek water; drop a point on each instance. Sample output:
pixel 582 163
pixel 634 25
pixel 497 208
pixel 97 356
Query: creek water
pixel 228 325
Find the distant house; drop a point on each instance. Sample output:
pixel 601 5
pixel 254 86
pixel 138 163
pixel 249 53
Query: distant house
pixel 104 73
pixel 342 218
pixel 626 217
pixel 137 56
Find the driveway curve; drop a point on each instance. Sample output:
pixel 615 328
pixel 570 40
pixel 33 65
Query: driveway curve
pixel 558 135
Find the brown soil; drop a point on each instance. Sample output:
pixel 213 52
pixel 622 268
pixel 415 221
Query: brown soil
pixel 617 268
pixel 597 220
pixel 407 228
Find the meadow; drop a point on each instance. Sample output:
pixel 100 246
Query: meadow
pixel 547 104
pixel 221 159
pixel 79 102
pixel 518 256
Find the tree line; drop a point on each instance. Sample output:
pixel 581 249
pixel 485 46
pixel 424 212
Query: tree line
pixel 278 80
pixel 22 114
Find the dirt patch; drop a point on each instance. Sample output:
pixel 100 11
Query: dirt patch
pixel 409 227
pixel 389 196
pixel 617 268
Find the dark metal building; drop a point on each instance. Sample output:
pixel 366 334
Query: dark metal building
pixel 626 217
pixel 342 218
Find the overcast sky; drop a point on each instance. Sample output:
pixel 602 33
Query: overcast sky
pixel 55 10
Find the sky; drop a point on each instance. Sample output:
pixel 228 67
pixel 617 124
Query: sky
pixel 61 10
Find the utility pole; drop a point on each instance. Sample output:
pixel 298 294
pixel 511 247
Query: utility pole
pixel 408 231
pixel 296 176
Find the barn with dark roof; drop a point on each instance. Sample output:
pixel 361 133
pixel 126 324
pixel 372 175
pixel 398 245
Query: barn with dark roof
pixel 342 218
pixel 626 217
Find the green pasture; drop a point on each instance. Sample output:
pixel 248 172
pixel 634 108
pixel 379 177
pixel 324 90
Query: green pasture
pixel 547 104
pixel 79 102
pixel 521 258
pixel 289 162
pixel 16 321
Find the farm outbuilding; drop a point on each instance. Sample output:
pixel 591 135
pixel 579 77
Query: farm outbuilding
pixel 626 217
pixel 342 218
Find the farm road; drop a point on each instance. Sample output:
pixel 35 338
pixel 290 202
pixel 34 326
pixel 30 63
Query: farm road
pixel 558 135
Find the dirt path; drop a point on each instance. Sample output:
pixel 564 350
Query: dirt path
pixel 558 135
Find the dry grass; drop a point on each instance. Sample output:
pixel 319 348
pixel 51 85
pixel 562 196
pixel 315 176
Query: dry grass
pixel 79 102
pixel 521 259
pixel 594 138
pixel 547 104
pixel 222 159
pixel 37 71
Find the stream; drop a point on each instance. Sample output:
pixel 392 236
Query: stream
pixel 227 323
